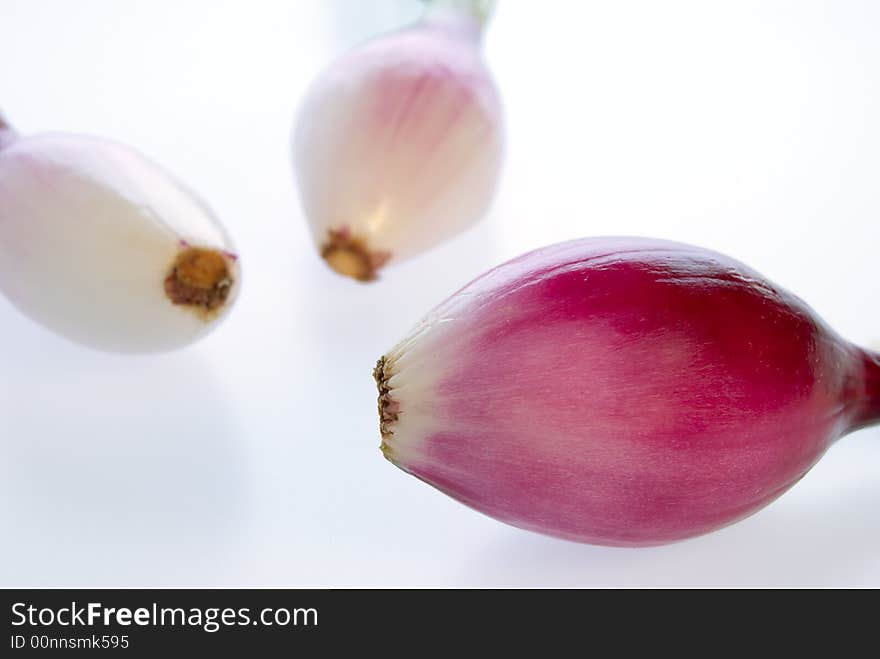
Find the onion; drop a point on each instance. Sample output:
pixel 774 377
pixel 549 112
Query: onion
pixel 398 145
pixel 621 391
pixel 105 248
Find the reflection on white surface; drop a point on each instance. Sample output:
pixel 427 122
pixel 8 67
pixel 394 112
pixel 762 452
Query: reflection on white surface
pixel 746 127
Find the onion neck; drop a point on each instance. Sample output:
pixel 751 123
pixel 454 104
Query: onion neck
pixel 868 410
pixel 467 17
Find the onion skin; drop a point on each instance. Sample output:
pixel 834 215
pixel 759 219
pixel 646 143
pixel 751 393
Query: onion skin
pixel 398 145
pixel 621 391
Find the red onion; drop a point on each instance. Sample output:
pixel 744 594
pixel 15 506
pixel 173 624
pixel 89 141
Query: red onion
pixel 621 391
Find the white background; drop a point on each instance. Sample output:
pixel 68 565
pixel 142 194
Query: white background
pixel 751 127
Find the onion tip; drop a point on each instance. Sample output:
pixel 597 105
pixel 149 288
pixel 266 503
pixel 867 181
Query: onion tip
pixel 200 278
pixel 389 408
pixel 350 256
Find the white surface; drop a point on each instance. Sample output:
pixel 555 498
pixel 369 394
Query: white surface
pixel 252 459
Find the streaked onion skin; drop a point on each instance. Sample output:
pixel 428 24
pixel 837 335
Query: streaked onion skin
pixel 398 145
pixel 621 391
pixel 105 248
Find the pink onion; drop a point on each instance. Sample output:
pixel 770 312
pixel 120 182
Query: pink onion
pixel 621 391
pixel 398 145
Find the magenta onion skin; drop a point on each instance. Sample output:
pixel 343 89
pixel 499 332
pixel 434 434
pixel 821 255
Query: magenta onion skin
pixel 621 391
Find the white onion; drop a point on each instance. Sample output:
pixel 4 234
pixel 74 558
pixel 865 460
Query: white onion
pixel 398 145
pixel 96 240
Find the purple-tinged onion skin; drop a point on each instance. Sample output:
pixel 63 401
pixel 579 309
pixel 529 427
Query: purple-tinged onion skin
pixel 621 391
